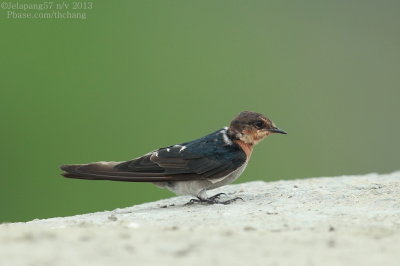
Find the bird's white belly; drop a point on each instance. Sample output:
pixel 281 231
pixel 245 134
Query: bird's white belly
pixel 198 188
pixel 229 178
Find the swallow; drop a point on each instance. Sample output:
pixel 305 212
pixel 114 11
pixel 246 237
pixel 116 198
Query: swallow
pixel 190 168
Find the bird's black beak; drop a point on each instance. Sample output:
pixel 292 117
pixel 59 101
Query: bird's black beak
pixel 277 130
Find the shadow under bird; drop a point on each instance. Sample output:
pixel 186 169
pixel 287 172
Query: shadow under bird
pixel 190 168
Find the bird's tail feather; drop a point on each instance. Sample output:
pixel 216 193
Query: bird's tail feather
pixel 107 171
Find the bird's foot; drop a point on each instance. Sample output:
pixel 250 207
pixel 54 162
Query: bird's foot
pixel 213 200
pixel 230 201
pixel 202 201
pixel 216 196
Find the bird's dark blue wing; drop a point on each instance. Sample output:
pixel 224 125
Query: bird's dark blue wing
pixel 212 156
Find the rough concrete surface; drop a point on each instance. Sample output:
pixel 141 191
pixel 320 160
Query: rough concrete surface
pixel 347 220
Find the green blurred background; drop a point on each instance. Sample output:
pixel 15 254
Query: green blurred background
pixel 138 75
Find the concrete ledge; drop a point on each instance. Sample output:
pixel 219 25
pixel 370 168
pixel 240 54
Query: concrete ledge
pixel 348 220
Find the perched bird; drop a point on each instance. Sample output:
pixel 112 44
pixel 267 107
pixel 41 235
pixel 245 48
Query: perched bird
pixel 190 168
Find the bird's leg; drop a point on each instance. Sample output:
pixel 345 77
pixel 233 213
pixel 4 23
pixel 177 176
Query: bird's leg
pixel 202 198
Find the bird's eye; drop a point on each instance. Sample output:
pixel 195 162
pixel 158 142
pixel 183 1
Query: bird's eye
pixel 259 124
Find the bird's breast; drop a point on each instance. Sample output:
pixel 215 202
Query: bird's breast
pixel 246 147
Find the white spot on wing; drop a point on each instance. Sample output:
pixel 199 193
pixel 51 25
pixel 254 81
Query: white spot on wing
pixel 168 149
pixel 107 163
pixel 225 136
pixel 182 148
pixel 226 139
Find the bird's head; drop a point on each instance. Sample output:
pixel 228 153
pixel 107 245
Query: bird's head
pixel 251 127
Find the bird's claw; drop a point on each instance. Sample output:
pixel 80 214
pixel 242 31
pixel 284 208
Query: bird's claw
pixel 201 201
pixel 213 200
pixel 231 200
pixel 216 196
